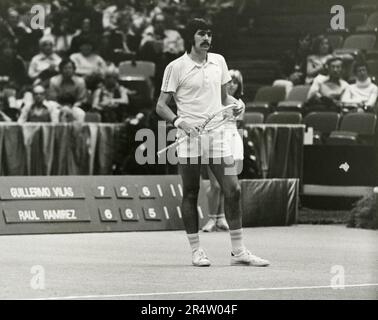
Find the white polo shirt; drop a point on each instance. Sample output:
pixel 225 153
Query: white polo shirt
pixel 196 88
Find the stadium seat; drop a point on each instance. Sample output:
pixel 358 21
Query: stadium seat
pixel 265 98
pixel 355 128
pixel 253 118
pixel 323 123
pixel 128 69
pixel 371 23
pixel 92 117
pixel 263 108
pixel 357 42
pixel 335 40
pixel 295 100
pixel 354 20
pixel 284 118
pixel 365 6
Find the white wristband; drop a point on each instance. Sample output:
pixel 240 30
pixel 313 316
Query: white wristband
pixel 177 122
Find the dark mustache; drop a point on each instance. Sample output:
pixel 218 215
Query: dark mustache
pixel 205 42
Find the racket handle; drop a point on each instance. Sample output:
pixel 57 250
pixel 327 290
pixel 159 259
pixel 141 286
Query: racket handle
pixel 175 144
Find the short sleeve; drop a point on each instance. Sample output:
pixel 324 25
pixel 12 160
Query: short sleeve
pixel 225 73
pixel 170 79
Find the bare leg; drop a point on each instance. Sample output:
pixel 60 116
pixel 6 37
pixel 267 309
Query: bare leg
pixel 231 190
pixel 190 174
pixel 214 194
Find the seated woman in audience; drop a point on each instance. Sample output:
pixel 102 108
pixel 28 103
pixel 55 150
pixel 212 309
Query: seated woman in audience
pixel 45 64
pixel 361 95
pixel 62 33
pixel 327 91
pixel 111 99
pixel 88 63
pixel 66 85
pixel 316 62
pixel 40 110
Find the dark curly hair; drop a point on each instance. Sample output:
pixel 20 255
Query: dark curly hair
pixel 191 28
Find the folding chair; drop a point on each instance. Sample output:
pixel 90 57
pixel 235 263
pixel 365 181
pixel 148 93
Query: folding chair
pixel 253 118
pixel 323 123
pixel 355 128
pixel 295 100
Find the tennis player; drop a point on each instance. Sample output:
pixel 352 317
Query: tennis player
pixel 198 82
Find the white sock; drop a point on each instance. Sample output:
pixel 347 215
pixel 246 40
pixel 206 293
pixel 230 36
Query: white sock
pixel 193 240
pixel 237 240
pixel 221 215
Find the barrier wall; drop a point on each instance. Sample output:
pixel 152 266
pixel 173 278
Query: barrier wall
pixel 45 149
pixel 68 204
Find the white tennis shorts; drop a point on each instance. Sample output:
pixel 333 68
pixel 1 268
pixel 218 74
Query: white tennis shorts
pixel 220 143
pixel 236 143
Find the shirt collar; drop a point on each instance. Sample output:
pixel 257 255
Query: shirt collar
pixel 192 63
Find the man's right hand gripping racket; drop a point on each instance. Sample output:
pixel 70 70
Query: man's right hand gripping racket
pixel 213 122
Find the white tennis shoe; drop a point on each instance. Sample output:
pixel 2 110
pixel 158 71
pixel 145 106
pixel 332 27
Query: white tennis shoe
pixel 199 258
pixel 222 224
pixel 246 258
pixel 210 226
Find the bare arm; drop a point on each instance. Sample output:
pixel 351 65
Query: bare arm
pixel 228 99
pixel 162 108
pixel 164 111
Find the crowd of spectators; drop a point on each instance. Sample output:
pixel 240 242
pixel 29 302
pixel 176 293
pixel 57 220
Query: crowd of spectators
pixel 337 81
pixel 75 58
pixel 73 61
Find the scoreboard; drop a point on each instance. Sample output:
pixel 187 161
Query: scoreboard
pixel 59 204
pixel 68 204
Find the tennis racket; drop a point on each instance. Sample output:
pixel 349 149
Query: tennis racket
pixel 213 122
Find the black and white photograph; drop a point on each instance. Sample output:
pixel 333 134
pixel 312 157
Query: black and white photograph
pixel 188 155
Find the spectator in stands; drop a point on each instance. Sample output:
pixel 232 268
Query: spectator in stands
pixel 14 29
pixel 62 33
pixel 87 61
pixel 111 46
pixel 12 65
pixel 112 13
pixel 294 62
pixel 327 90
pixel 87 10
pixel 86 31
pixel 159 39
pixel 362 94
pixel 316 62
pixel 111 99
pixel 40 110
pixel 45 64
pixel 293 65
pixel 8 104
pixel 161 46
pixel 66 86
pixel 132 29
